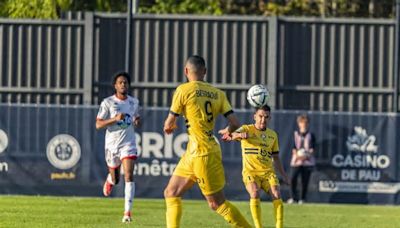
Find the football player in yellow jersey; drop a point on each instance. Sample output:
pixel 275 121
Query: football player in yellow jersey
pixel 260 150
pixel 200 103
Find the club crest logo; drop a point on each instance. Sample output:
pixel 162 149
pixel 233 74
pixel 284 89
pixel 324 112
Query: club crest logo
pixel 3 141
pixel 126 122
pixel 360 141
pixel 63 151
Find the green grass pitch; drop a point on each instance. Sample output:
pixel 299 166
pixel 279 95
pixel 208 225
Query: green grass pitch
pixel 39 211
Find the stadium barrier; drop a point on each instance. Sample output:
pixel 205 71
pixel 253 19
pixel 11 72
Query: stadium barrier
pixel 325 64
pixel 55 150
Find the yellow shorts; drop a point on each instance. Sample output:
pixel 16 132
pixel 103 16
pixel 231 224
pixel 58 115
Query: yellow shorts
pixel 206 170
pixel 263 181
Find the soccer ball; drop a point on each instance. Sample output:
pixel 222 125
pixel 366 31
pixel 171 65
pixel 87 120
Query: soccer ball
pixel 258 96
pixel 301 152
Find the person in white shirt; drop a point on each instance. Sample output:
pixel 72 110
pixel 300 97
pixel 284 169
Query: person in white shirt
pixel 119 115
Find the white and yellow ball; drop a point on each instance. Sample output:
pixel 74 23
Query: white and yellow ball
pixel 258 96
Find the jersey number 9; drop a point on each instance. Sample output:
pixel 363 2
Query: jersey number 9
pixel 208 109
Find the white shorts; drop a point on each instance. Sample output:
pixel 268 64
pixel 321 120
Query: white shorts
pixel 114 156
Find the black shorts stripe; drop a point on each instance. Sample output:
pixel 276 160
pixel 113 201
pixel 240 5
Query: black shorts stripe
pixel 251 149
pixel 275 152
pixel 250 152
pixel 226 114
pixel 173 113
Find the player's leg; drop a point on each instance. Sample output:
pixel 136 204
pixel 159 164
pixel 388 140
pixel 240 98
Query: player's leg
pixel 182 179
pixel 255 206
pixel 211 180
pixel 228 211
pixel 176 187
pixel 276 200
pixel 128 165
pixel 112 179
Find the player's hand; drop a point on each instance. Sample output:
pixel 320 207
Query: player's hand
pixel 169 128
pixel 137 122
pixel 226 137
pixel 119 116
pixel 223 131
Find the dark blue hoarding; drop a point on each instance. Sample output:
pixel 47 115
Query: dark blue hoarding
pixel 55 150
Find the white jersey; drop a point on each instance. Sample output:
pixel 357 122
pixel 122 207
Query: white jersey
pixel 122 133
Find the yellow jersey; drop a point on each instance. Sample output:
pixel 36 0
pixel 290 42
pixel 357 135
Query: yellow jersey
pixel 258 148
pixel 200 103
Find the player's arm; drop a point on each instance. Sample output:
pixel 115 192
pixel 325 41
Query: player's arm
pixel 100 123
pixel 278 165
pixel 136 116
pixel 174 112
pixel 239 134
pixel 170 123
pixel 233 124
pixel 137 121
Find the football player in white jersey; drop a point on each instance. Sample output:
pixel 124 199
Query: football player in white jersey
pixel 119 114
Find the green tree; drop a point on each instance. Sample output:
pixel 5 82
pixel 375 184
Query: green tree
pixel 184 7
pixel 316 8
pixel 30 9
pixel 51 9
pixel 331 8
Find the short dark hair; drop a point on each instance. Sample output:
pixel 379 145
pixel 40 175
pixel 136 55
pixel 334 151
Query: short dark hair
pixel 265 108
pixel 119 74
pixel 197 61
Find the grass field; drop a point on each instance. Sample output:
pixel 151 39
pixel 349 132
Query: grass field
pixel 39 211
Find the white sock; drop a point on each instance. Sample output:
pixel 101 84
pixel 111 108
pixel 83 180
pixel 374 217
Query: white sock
pixel 109 179
pixel 129 195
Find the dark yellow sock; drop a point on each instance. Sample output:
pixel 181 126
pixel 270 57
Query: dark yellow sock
pixel 278 211
pixel 255 209
pixel 174 211
pixel 232 215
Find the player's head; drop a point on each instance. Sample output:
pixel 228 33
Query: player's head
pixel 302 122
pixel 261 117
pixel 121 82
pixel 195 68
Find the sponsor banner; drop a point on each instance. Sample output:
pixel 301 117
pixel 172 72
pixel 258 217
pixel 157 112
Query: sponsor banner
pixel 57 150
pixel 359 187
pixel 41 148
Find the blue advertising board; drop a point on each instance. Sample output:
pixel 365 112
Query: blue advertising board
pixel 55 150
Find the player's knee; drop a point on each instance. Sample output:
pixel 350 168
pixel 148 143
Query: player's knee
pixel 128 177
pixel 276 195
pixel 169 192
pixel 254 194
pixel 214 205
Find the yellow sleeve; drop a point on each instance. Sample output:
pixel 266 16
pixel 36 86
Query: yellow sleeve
pixel 177 102
pixel 275 147
pixel 226 107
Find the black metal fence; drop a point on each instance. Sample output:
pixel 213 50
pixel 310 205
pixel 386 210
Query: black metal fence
pixel 307 63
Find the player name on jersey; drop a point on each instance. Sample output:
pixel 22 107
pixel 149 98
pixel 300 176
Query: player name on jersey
pixel 208 94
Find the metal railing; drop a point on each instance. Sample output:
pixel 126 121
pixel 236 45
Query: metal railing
pixel 307 63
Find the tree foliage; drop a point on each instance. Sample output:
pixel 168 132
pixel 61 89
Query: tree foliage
pixel 331 8
pixel 184 7
pixel 29 9
pixel 316 8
